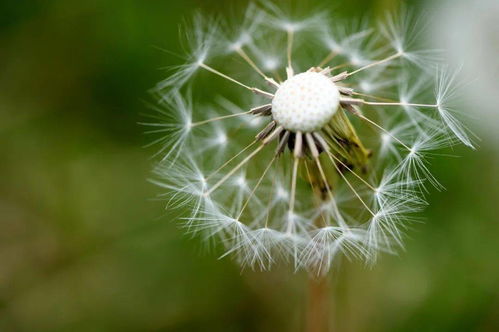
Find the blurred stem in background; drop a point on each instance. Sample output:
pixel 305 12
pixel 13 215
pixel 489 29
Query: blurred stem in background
pixel 319 305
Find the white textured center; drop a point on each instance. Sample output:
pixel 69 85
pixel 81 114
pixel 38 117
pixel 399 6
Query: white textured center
pixel 305 102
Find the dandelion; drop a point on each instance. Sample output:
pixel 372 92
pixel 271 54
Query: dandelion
pixel 321 150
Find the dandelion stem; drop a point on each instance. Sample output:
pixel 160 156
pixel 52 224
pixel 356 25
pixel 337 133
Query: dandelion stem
pixel 318 315
pixel 376 63
pixel 319 300
pixel 232 171
pixel 195 124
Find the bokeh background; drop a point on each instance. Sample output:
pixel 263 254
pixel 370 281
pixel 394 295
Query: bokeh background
pixel 84 246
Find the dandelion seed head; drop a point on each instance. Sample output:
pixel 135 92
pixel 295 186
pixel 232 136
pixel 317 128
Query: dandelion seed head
pixel 305 102
pixel 309 160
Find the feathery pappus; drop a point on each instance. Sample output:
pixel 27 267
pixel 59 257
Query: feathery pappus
pixel 315 143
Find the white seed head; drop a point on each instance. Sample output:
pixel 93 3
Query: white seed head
pixel 246 176
pixel 305 102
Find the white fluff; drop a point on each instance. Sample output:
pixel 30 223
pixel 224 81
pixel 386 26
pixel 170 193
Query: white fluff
pixel 235 191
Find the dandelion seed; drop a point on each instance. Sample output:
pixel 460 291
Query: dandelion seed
pixel 200 40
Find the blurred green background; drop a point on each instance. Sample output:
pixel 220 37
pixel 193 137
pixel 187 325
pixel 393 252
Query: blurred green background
pixel 85 247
